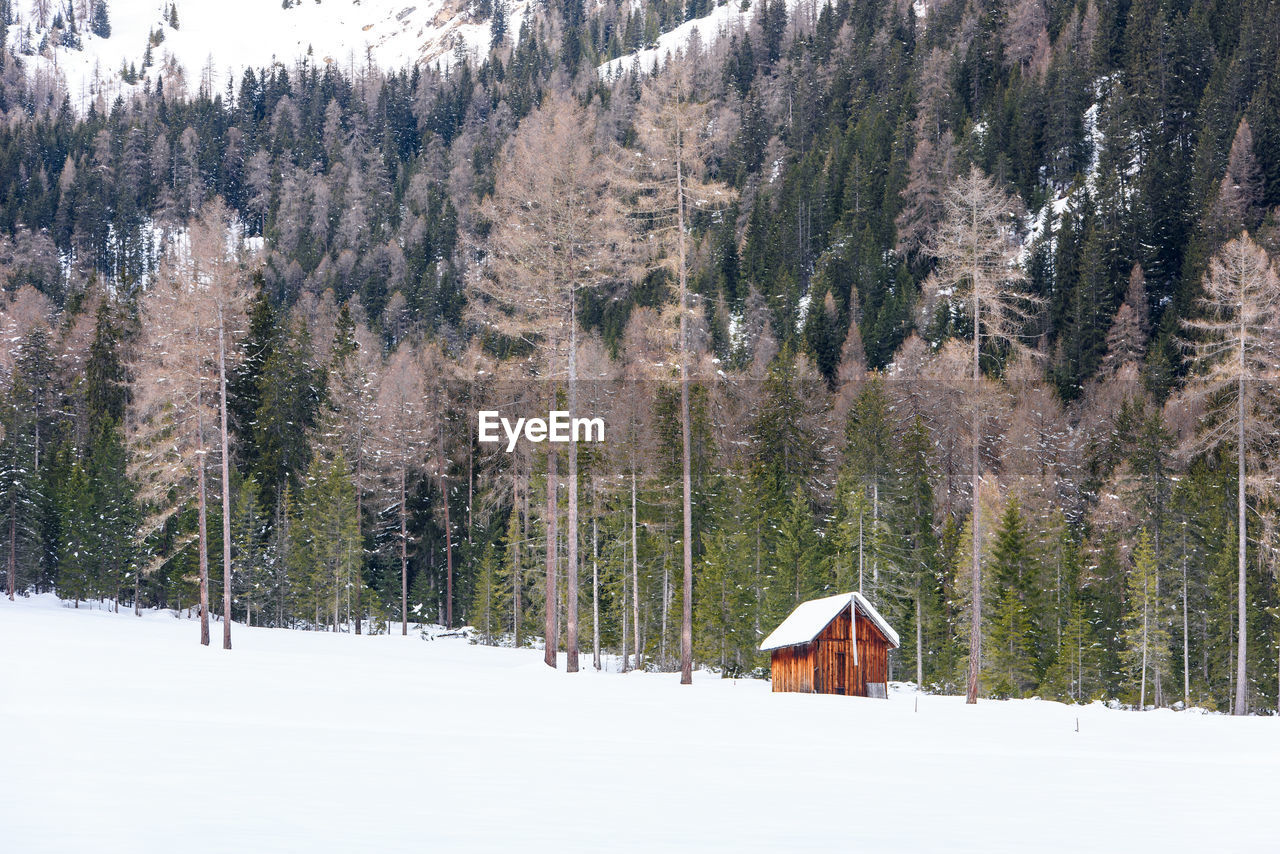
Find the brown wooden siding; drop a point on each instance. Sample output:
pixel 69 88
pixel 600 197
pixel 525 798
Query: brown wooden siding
pixel 793 668
pixel 828 665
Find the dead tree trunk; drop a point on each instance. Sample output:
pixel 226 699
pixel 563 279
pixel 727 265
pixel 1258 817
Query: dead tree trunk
pixel 404 556
pixel 552 628
pixel 571 535
pixel 13 547
pixel 202 523
pixel 448 534
pixel 226 487
pixel 635 569
pixel 516 580
pixel 359 582
pixel 595 581
pixel 975 629
pixel 1241 705
pixel 686 613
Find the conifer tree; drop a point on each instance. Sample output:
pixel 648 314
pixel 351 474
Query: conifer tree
pixel 1146 637
pixel 249 531
pixel 26 430
pixel 353 371
pixel 1013 629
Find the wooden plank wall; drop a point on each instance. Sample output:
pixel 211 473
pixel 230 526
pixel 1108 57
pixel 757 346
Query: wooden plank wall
pixel 792 668
pixel 815 667
pixel 832 651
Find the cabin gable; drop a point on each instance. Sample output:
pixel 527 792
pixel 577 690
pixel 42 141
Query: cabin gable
pixel 835 662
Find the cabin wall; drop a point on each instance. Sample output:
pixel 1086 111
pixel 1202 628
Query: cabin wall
pixel 873 657
pixel 792 668
pixel 828 665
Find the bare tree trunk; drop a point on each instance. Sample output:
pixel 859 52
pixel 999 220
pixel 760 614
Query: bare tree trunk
pixel 626 652
pixel 595 580
pixel 448 533
pixel 1142 690
pixel 404 557
pixel 202 526
pixel 861 555
pixel 13 547
pixel 919 643
pixel 516 580
pixel 1241 705
pixel 552 629
pixel 226 486
pixel 1186 634
pixel 975 630
pixel 686 614
pixel 875 530
pixel 359 530
pixel 635 568
pixel 666 608
pixel 571 534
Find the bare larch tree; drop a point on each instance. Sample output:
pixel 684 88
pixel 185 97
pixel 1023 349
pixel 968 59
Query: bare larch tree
pixel 557 231
pixel 1234 349
pixel 977 253
pixel 667 177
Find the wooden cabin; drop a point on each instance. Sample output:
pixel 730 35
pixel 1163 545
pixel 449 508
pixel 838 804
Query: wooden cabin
pixel 813 651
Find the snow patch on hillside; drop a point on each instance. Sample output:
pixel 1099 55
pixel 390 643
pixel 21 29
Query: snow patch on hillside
pixel 126 732
pixel 1045 220
pixel 697 34
pixel 220 39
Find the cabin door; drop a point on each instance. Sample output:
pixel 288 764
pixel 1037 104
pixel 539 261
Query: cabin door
pixel 841 675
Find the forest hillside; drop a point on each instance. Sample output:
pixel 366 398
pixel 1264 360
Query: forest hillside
pixel 969 305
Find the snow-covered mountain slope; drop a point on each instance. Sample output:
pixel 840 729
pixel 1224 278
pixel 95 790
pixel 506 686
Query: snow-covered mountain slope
pixel 124 734
pixel 229 35
pixel 729 16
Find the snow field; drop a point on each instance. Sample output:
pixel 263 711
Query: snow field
pixel 123 734
pixel 232 35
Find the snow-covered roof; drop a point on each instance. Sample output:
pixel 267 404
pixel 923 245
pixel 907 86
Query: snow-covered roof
pixel 809 619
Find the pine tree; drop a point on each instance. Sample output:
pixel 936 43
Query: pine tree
pixel 77 578
pixel 25 418
pixel 498 24
pixel 486 602
pixel 723 610
pixel 872 465
pixel 1146 637
pixel 914 528
pixel 796 573
pixel 113 511
pixel 1011 659
pixel 100 23
pixel 249 530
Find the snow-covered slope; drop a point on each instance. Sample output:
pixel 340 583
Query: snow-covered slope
pixel 722 19
pixel 123 734
pixel 729 16
pixel 229 35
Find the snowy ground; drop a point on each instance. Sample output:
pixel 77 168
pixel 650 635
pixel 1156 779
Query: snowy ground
pixel 123 734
